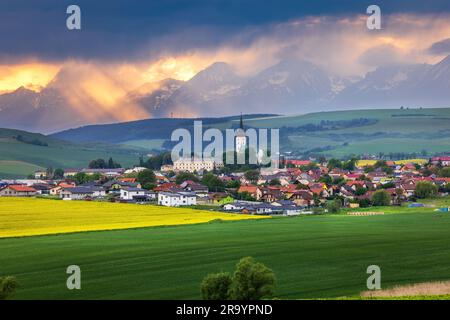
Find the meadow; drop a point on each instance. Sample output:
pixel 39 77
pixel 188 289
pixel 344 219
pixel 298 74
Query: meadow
pixel 18 159
pixel 323 256
pixel 27 217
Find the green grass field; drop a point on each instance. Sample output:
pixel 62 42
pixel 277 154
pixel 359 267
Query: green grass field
pixel 312 256
pixel 13 169
pixel 18 159
pixel 396 130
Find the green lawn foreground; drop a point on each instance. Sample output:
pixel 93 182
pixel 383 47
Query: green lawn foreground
pixel 313 257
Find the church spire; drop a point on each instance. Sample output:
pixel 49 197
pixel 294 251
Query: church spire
pixel 241 124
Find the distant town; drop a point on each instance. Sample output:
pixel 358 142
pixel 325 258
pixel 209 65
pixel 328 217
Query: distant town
pixel 297 187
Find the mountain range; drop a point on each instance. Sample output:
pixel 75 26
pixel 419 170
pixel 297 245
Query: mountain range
pixel 291 86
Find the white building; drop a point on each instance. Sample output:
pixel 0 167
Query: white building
pixel 131 193
pixel 175 199
pixel 198 165
pixel 135 170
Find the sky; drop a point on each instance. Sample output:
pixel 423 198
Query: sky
pixel 123 45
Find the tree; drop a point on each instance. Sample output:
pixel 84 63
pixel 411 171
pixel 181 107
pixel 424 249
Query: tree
pixel 444 172
pixel 251 281
pixel 360 191
pixel 81 177
pixel 425 189
pixel 334 206
pixel 275 182
pixel 381 198
pixel 334 163
pixel 58 174
pixel 8 286
pixel 349 165
pixel 97 164
pixel 216 286
pixel 184 176
pixel 213 182
pixel 246 196
pixel 233 184
pixel 326 179
pixel 146 177
pixel 252 175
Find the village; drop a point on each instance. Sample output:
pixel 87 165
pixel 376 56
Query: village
pixel 296 187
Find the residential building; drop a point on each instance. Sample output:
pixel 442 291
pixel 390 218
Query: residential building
pixel 17 191
pixel 81 193
pixel 175 199
pixel 129 193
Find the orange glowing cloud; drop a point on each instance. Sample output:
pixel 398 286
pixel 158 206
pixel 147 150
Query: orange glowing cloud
pixel 30 75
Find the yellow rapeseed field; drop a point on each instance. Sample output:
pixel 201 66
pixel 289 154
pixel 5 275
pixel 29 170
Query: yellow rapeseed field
pixel 364 163
pixel 29 216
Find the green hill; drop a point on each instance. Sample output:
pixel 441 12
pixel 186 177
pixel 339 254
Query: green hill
pixel 22 153
pixel 334 133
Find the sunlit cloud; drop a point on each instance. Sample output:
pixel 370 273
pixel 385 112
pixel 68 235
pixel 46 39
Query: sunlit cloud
pixel 97 90
pixel 32 76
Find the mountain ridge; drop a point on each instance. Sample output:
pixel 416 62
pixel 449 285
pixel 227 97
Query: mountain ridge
pixel 290 86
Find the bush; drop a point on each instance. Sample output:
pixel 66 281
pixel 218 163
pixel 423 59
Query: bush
pixel 334 206
pixel 381 198
pixel 425 189
pixel 216 286
pixel 251 281
pixel 444 172
pixel 8 286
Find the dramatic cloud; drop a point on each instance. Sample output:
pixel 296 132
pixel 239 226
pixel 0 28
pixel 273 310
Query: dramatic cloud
pixel 132 45
pixel 440 47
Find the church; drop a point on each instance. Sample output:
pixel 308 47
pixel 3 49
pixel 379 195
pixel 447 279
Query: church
pixel 241 139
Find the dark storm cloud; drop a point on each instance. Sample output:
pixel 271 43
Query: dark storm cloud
pixel 440 47
pixel 132 29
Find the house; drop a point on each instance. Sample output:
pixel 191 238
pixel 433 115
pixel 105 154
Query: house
pixel 71 172
pixel 175 199
pixel 271 195
pixel 238 205
pixel 42 188
pixel 199 189
pixel 110 173
pixel 302 198
pixel 135 170
pixel 17 191
pixel 56 190
pixel 254 191
pixel 130 193
pixel 116 185
pixel 40 174
pixel 298 163
pixel 445 161
pixel 81 193
pixel 166 168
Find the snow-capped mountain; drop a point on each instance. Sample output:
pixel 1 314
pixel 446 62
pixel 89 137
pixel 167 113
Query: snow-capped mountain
pixel 290 86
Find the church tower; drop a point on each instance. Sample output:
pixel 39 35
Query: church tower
pixel 241 139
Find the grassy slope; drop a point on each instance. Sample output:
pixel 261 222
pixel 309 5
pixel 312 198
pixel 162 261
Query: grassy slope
pixel 58 154
pixel 407 131
pixel 313 257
